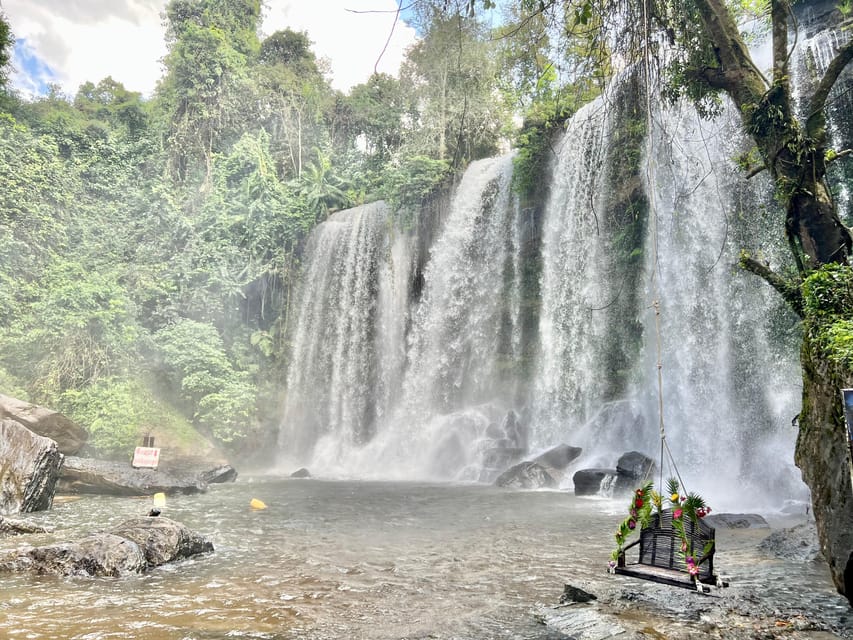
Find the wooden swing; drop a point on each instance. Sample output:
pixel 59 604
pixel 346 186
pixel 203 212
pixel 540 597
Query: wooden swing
pixel 659 559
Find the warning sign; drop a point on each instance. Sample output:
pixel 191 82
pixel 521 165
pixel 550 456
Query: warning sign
pixel 146 457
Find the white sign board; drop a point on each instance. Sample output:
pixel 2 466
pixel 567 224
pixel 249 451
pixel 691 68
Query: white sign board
pixel 147 457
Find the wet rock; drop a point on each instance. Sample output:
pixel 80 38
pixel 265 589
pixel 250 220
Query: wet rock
pixel 576 594
pixel 301 473
pixel 163 540
pixel 799 543
pixel 131 548
pixel 737 521
pixel 14 527
pixel 99 555
pixel 221 474
pixel 589 482
pixel 87 475
pixel 69 437
pixel 634 467
pixel 526 475
pixel 557 459
pixel 29 468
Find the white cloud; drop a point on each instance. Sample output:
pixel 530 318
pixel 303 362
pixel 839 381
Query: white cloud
pixel 87 40
pixel 350 33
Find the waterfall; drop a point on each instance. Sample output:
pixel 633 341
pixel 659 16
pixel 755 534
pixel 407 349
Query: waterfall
pixel 366 396
pixel 408 366
pixel 731 379
pixel 346 361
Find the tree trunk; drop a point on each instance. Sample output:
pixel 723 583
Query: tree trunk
pixel 823 455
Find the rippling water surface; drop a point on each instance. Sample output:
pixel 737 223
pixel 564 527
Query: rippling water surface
pixel 333 559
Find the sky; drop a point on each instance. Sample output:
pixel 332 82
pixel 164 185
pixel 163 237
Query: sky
pixel 69 42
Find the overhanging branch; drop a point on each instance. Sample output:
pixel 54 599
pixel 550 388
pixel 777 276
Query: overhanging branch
pixel 833 71
pixel 789 290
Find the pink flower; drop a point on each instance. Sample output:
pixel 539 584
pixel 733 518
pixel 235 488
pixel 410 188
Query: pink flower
pixel 690 560
pixel 683 546
pixel 677 514
pixel 693 569
pixel 632 524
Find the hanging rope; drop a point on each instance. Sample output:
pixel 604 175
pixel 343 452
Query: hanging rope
pixel 665 452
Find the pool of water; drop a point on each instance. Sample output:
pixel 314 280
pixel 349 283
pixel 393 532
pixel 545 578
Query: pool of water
pixel 336 559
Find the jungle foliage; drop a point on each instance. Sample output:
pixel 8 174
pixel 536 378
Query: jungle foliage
pixel 150 245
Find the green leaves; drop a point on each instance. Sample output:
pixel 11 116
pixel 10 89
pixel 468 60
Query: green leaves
pixel 221 398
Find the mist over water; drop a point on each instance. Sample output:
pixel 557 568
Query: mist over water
pixel 387 382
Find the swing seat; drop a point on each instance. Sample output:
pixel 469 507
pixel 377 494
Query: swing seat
pixel 660 558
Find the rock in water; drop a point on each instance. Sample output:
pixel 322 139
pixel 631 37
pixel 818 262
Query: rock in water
pixel 526 475
pixel 131 548
pixel 736 521
pixel 29 469
pixel 163 540
pixel 588 482
pixel 13 527
pixel 636 467
pixel 69 436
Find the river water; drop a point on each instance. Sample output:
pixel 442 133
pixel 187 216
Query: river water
pixel 342 559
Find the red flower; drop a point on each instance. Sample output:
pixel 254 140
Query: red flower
pixel 638 502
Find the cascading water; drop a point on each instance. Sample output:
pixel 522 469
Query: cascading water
pixel 346 361
pixel 383 385
pixel 731 380
pixel 351 407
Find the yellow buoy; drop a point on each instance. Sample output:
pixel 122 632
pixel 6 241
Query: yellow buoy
pixel 159 499
pixel 257 504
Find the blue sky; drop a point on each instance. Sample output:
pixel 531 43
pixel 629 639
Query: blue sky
pixel 32 75
pixel 69 42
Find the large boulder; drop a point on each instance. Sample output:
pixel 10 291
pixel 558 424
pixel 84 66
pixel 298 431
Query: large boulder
pixel 29 468
pixel 69 437
pixel 162 540
pixel 590 482
pixel 526 475
pixel 86 475
pixel 131 548
pixel 556 460
pixel 635 467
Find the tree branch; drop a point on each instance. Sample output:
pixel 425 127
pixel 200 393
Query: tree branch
pixel 780 11
pixel 816 119
pixel 738 75
pixel 788 289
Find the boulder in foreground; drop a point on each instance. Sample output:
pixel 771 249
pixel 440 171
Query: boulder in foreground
pixel 29 468
pixel 131 548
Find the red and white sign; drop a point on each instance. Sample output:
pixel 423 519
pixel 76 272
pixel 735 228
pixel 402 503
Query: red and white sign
pixel 148 457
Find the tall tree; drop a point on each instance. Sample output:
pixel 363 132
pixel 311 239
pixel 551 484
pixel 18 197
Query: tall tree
pixel 206 92
pixel 450 80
